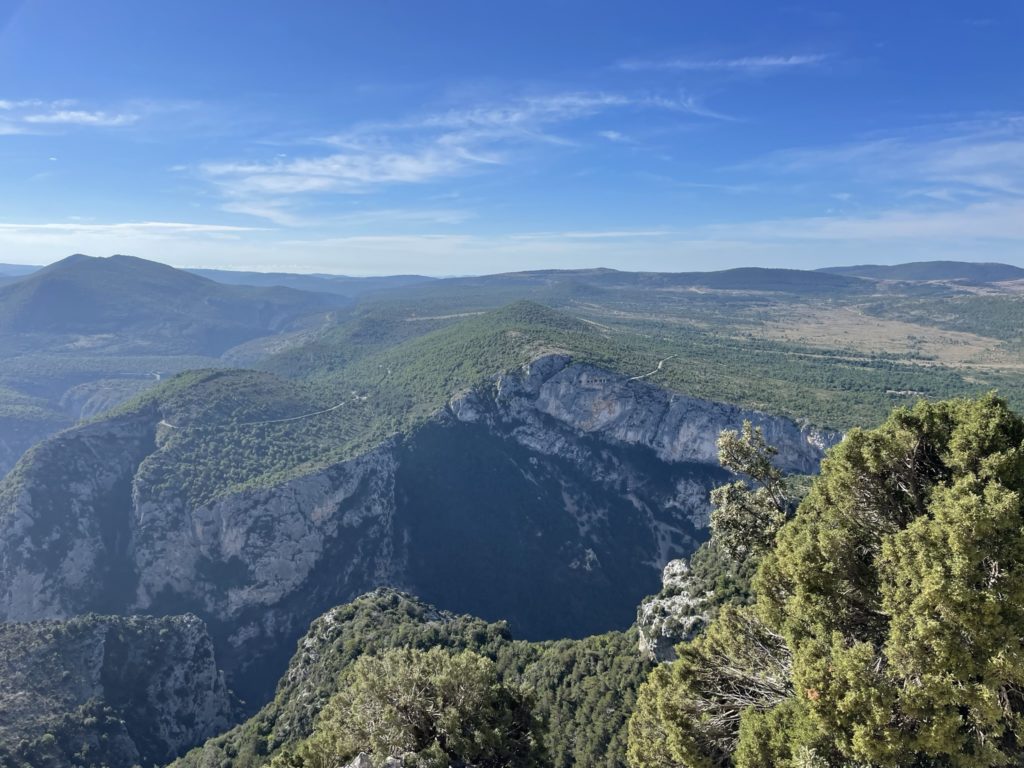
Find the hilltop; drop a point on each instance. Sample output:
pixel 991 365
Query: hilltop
pixel 85 334
pixel 966 271
pixel 321 283
pixel 581 691
pixel 147 305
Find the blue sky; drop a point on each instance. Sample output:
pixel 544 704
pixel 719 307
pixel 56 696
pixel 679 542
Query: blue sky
pixel 379 137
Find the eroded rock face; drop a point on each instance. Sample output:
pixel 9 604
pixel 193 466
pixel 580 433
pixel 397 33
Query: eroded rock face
pixel 552 496
pixel 676 427
pixel 269 540
pixel 114 691
pixel 672 616
pixel 65 536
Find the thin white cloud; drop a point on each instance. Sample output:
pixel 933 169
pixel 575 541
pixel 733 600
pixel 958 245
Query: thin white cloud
pixel 611 234
pixel 81 117
pixel 686 104
pixel 272 211
pixel 165 227
pixel 976 223
pixel 347 170
pixel 36 115
pixel 421 149
pixel 528 112
pixel 970 159
pixel 8 104
pixel 405 216
pixel 745 64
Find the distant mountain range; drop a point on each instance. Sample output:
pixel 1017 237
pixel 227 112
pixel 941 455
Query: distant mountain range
pixel 154 306
pixel 339 284
pixel 17 270
pixel 84 334
pixel 742 278
pixel 969 271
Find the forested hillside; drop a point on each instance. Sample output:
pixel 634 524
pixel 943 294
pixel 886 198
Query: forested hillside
pixel 577 695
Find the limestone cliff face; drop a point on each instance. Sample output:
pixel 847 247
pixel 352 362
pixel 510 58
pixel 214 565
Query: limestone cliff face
pixel 102 690
pixel 676 427
pixel 672 616
pixel 65 537
pixel 551 496
pixel 269 541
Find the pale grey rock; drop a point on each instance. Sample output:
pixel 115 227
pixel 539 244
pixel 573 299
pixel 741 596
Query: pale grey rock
pixel 17 435
pixel 274 537
pixel 56 547
pixel 677 427
pixel 672 616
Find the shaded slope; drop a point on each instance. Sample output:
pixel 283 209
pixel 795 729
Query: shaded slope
pixel 108 691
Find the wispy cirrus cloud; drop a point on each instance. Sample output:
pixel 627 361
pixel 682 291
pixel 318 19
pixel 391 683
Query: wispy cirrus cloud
pixel 758 65
pixel 528 116
pixel 353 170
pixel 33 115
pixel 981 158
pixel 423 148
pixel 973 223
pixel 81 117
pixel 133 227
pixel 600 234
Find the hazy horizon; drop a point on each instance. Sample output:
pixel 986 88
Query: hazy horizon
pixel 441 276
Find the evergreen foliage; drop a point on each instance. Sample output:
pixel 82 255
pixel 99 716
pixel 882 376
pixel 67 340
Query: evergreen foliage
pixel 578 694
pixel 745 519
pixel 431 709
pixel 888 621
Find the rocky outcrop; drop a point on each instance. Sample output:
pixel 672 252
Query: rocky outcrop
pixel 551 496
pixel 672 616
pixel 113 691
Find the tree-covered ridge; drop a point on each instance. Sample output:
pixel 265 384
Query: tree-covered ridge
pixel 579 692
pixel 776 340
pixel 378 376
pixel 427 709
pixel 887 623
pixel 706 350
pixel 141 305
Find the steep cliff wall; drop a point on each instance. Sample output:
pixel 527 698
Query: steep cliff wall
pixel 551 496
pixel 100 690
